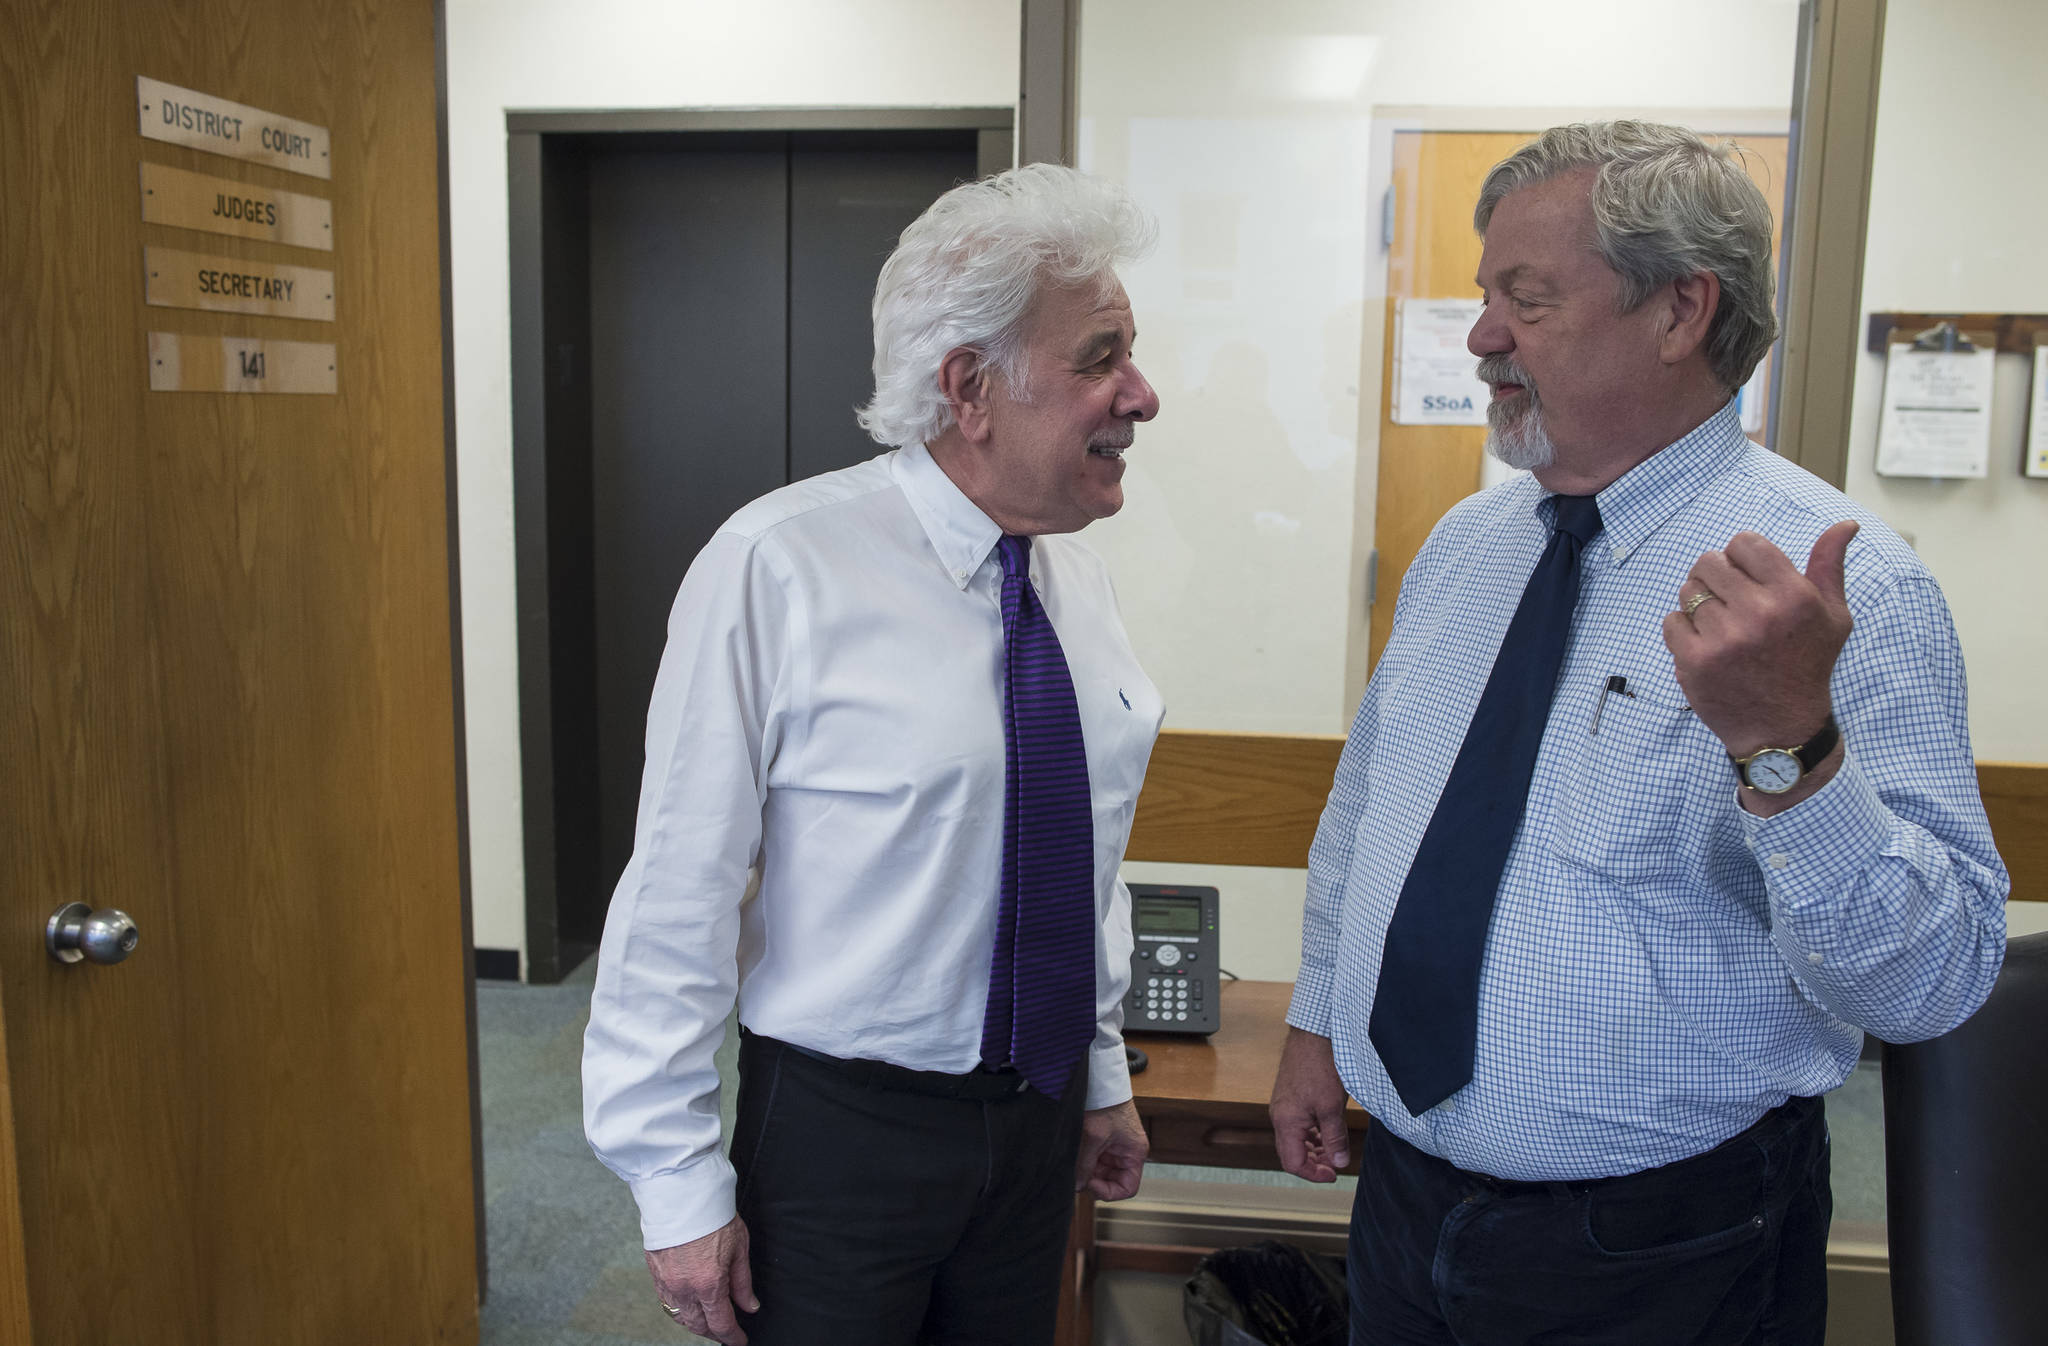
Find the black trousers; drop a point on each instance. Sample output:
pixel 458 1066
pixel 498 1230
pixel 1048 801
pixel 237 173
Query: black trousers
pixel 888 1207
pixel 1727 1248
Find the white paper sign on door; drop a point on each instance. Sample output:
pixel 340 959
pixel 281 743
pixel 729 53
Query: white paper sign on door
pixel 1434 382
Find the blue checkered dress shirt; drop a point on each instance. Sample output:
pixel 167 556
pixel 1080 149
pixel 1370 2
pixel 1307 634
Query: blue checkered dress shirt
pixel 1663 967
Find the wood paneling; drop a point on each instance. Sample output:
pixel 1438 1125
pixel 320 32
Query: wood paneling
pixel 1233 799
pixel 2016 799
pixel 14 1320
pixel 227 707
pixel 2014 333
pixel 1254 799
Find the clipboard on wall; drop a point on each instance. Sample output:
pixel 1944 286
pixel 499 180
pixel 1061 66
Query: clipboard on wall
pixel 1936 416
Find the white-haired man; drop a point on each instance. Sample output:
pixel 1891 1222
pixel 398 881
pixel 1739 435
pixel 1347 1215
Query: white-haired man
pixel 900 696
pixel 1641 825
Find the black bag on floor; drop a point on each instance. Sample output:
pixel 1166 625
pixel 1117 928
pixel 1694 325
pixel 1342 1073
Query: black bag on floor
pixel 1270 1294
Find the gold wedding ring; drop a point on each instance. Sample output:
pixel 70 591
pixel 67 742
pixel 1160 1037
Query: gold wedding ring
pixel 1692 604
pixel 665 1308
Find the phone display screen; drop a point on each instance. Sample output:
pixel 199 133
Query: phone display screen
pixel 1167 915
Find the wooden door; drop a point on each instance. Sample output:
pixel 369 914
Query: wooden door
pixel 226 707
pixel 1433 254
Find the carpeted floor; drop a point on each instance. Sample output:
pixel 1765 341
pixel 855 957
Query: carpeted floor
pixel 563 1239
pixel 561 1232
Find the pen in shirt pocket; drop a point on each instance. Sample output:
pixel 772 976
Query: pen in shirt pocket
pixel 1615 684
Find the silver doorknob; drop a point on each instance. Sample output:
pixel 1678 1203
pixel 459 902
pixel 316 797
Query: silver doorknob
pixel 77 932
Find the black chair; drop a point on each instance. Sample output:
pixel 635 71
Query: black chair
pixel 1966 1169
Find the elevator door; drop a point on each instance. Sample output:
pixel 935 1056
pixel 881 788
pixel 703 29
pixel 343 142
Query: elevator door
pixel 729 344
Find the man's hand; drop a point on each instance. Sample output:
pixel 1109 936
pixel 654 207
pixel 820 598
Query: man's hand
pixel 700 1281
pixel 1113 1149
pixel 1755 658
pixel 1308 1109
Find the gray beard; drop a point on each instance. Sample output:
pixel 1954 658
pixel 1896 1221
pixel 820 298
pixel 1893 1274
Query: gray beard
pixel 1519 439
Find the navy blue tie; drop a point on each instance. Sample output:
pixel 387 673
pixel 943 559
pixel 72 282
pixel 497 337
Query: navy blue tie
pixel 1041 992
pixel 1425 1014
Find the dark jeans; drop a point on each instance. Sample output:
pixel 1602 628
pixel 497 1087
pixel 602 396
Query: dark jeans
pixel 1727 1248
pixel 881 1216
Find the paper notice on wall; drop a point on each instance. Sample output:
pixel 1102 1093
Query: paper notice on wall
pixel 1434 382
pixel 1936 420
pixel 2037 417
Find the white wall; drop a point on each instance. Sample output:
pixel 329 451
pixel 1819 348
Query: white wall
pixel 1248 130
pixel 1957 200
pixel 548 54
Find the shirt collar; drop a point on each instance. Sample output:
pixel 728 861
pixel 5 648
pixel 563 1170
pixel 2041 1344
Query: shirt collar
pixel 1637 504
pixel 959 532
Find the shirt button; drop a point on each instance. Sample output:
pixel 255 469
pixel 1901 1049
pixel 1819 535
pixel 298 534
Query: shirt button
pixel 1815 959
pixel 1779 860
pixel 1621 553
pixel 959 574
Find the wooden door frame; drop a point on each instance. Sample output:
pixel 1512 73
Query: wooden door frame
pixel 455 666
pixel 1820 273
pixel 532 142
pixel 14 1317
pixel 1388 121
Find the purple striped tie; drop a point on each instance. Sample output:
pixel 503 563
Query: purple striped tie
pixel 1041 993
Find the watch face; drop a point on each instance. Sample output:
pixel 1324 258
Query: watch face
pixel 1773 771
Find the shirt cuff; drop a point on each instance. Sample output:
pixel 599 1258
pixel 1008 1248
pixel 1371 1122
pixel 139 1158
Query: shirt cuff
pixel 1109 1076
pixel 1309 1010
pixel 685 1204
pixel 1817 850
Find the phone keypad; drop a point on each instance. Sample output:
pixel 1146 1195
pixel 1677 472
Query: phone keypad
pixel 1165 998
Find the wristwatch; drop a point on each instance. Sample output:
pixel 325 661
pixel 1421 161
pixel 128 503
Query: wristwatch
pixel 1773 771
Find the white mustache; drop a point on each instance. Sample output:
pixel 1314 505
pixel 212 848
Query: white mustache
pixel 1115 441
pixel 1499 369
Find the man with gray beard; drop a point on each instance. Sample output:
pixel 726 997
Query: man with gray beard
pixel 1515 433
pixel 1642 823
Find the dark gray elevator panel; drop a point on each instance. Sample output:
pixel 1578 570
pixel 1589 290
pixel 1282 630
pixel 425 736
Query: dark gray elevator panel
pixel 849 199
pixel 688 299
pixel 654 330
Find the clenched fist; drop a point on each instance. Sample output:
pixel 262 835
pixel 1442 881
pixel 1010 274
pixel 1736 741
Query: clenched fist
pixel 1754 643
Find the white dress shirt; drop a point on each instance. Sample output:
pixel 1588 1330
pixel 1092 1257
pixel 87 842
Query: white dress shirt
pixel 828 714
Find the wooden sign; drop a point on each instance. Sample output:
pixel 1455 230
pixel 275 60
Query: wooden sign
pixel 223 206
pixel 233 364
pixel 174 279
pixel 187 117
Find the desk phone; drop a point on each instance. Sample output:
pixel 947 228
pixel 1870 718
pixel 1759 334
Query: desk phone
pixel 1174 982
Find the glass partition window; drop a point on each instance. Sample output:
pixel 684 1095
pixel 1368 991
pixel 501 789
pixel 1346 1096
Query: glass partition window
pixel 1309 163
